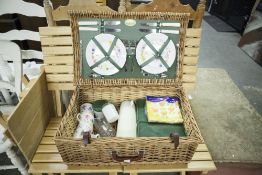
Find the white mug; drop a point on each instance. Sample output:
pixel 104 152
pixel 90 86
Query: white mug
pixel 110 113
pixel 86 107
pixel 86 121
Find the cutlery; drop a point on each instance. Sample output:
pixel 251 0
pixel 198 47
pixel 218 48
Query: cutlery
pixel 160 31
pixel 96 29
pixel 93 23
pixel 161 24
pixel 133 53
pixel 94 75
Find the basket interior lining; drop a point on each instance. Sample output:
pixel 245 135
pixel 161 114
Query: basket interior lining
pixel 116 95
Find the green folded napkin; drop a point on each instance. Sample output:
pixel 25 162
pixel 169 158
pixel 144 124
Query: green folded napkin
pixel 140 110
pixel 146 129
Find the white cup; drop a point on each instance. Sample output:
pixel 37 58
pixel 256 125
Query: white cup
pixel 86 107
pixel 110 113
pixel 86 121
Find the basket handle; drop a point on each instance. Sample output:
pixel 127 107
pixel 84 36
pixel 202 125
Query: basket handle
pixel 175 139
pixel 119 158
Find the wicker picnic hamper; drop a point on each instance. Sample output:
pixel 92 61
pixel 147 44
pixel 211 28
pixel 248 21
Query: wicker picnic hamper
pixel 116 150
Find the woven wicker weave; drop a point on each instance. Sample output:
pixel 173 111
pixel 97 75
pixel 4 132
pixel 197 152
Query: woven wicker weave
pixel 156 150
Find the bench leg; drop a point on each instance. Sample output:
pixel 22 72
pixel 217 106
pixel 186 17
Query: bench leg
pixel 204 172
pixel 112 173
pixel 16 161
pixel 183 173
pixel 133 173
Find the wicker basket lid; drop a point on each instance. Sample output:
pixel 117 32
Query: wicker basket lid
pixel 128 48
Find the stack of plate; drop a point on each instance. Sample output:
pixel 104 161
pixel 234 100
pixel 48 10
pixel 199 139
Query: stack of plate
pixel 106 54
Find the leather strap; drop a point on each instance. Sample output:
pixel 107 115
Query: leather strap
pixel 175 139
pixel 119 158
pixel 86 138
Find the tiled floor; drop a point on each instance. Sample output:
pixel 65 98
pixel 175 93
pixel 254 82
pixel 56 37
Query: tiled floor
pixel 235 169
pixel 220 50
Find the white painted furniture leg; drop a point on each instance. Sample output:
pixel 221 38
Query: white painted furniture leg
pixel 16 161
pixel 6 146
pixel 65 98
pixel 7 96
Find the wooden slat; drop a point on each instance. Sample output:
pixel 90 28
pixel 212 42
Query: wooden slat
pixel 187 78
pixel 167 6
pixel 29 141
pixel 191 60
pixel 47 141
pixel 50 133
pixel 202 147
pixel 47 158
pixel 190 51
pixel 51 126
pixel 60 86
pixel 193 33
pixel 57 50
pixel 192 166
pixel 64 168
pixel 192 42
pixel 59 69
pixel 56 41
pixel 25 80
pixel 27 88
pixel 58 103
pixel 47 149
pixel 189 86
pixel 100 3
pixel 59 77
pixel 61 13
pixel 201 156
pixel 189 69
pixel 55 120
pixel 25 107
pixel 3 122
pixel 69 59
pixel 27 132
pixel 59 30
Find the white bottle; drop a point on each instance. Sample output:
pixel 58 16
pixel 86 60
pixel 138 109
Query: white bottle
pixel 126 126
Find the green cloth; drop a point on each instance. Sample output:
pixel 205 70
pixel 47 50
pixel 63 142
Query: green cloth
pixel 98 105
pixel 140 110
pixel 146 129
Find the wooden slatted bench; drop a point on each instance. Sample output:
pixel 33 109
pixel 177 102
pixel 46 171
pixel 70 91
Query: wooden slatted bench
pixel 34 134
pixel 48 160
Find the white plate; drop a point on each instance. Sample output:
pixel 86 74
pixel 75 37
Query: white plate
pixel 144 52
pixel 94 54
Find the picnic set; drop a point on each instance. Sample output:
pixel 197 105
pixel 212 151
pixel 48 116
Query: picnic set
pixel 129 105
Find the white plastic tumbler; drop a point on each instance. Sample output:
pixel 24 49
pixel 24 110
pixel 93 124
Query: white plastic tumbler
pixel 110 113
